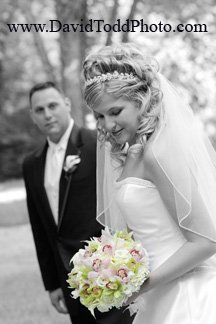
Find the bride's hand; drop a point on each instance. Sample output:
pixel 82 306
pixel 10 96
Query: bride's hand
pixel 133 165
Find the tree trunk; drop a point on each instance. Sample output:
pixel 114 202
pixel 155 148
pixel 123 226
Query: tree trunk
pixel 39 44
pixel 125 36
pixel 112 21
pixel 72 51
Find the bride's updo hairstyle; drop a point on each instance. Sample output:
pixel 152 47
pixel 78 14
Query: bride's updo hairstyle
pixel 122 71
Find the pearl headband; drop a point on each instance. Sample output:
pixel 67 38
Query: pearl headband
pixel 110 76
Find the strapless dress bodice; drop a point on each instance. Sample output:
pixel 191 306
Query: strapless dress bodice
pixel 146 215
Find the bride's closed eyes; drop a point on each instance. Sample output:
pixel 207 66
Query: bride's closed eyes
pixel 115 112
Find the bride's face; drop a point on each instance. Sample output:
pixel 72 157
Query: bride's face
pixel 119 117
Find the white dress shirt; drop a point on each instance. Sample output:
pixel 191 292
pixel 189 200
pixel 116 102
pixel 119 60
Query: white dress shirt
pixel 53 169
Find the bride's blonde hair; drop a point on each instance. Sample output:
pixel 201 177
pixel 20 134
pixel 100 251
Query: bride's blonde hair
pixel 143 88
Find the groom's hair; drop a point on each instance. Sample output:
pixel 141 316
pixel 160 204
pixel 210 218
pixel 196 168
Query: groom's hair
pixel 43 86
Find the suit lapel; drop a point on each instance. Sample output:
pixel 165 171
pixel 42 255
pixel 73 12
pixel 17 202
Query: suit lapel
pixel 74 143
pixel 39 181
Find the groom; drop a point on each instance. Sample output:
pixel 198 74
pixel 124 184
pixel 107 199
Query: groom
pixel 61 198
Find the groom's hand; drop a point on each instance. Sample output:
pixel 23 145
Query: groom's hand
pixel 57 300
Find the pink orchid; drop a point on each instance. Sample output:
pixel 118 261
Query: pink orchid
pixel 96 264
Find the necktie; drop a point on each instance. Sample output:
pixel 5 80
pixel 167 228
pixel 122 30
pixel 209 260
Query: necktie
pixel 54 171
pixel 56 163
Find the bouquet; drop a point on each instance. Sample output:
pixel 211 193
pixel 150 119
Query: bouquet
pixel 108 270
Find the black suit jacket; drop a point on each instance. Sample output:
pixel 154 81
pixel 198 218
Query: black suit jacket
pixel 55 245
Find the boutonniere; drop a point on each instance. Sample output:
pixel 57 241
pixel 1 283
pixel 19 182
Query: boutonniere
pixel 71 164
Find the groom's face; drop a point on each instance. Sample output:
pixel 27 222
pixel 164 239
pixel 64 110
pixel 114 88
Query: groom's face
pixel 50 111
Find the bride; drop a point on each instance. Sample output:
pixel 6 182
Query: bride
pixel 157 177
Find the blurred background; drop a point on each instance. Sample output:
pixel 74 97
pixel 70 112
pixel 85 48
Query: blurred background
pixel 188 59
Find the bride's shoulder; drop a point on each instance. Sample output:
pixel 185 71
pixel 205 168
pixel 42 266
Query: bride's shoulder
pixel 148 157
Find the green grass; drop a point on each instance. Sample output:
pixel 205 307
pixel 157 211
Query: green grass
pixel 23 299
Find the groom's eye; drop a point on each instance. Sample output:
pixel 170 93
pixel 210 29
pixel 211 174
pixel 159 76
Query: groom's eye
pixel 53 105
pixel 39 110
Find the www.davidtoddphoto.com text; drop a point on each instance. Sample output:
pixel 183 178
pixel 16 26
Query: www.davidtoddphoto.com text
pixel 99 25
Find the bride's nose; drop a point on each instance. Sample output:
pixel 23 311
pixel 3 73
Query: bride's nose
pixel 109 123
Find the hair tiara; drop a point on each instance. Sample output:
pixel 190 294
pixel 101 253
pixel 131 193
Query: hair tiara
pixel 110 76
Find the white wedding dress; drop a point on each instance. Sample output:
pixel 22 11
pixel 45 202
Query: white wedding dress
pixel 190 299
